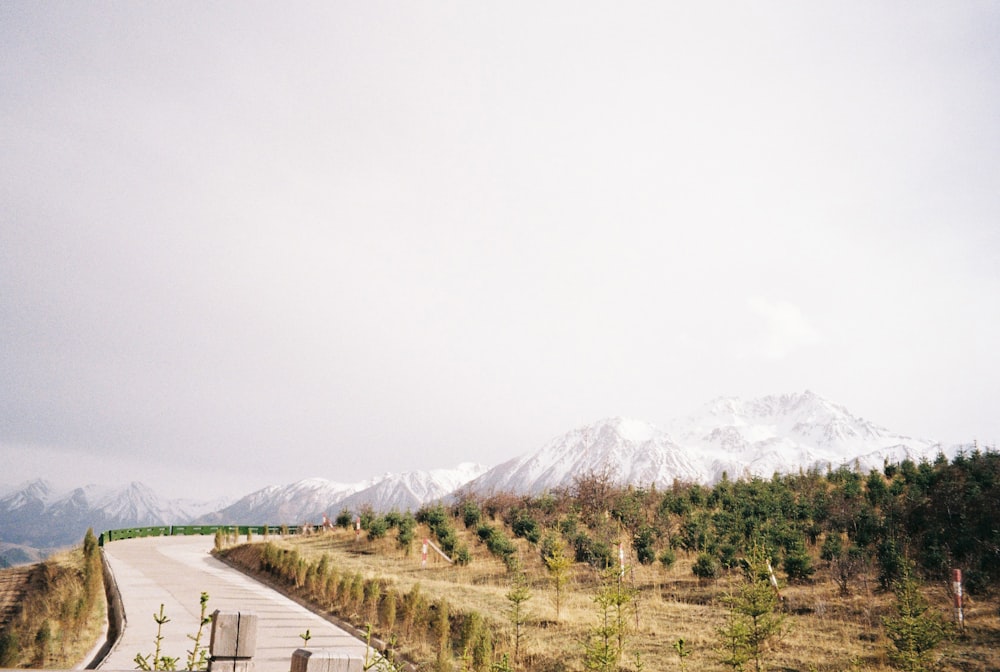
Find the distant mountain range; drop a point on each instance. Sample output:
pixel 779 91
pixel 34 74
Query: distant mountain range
pixel 36 518
pixel 727 436
pixel 311 498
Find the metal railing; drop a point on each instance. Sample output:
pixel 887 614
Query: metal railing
pixel 174 530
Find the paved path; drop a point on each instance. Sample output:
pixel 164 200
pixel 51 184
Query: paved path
pixel 174 571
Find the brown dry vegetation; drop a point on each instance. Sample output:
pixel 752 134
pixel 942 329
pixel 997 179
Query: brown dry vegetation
pixel 53 611
pixel 829 632
pixel 13 586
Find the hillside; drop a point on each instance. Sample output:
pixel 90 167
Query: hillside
pixel 843 545
pixel 52 612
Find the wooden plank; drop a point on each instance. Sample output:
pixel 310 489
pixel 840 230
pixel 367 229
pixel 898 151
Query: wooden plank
pixel 325 660
pixel 234 635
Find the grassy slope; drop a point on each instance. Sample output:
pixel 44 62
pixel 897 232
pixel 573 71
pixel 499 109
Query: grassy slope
pixel 828 632
pixel 55 623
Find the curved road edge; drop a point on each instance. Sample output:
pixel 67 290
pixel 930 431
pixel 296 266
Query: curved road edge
pixel 114 620
pixel 350 628
pixel 146 572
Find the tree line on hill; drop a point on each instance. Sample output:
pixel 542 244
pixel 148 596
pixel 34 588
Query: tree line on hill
pixel 938 515
pixel 906 521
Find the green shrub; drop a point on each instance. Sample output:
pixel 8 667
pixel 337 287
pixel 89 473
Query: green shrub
pixel 377 528
pixel 407 531
pixel 728 556
pixel 462 555
pixel 500 545
pixel 668 557
pixel 706 567
pixel 471 514
pixel 798 564
pixel 524 526
pixel 593 552
pixel 643 544
pixel 393 518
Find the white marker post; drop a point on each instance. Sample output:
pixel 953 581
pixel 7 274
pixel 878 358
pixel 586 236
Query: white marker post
pixel 773 579
pixel 423 553
pixel 956 584
pixel 621 558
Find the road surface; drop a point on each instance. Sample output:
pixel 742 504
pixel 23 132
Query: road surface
pixel 174 571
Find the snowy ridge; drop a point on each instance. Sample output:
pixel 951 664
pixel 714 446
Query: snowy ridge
pixel 309 499
pixel 781 433
pixel 38 515
pixel 758 437
pixel 411 490
pixel 299 502
pixel 630 450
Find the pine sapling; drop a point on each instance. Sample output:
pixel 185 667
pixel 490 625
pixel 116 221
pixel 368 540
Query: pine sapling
pixel 198 655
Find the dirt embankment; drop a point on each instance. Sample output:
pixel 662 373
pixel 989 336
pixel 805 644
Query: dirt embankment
pixel 14 584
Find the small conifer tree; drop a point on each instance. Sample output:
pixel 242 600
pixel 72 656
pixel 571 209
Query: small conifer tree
pixel 606 644
pixel 916 631
pixel 754 624
pixel 518 595
pixel 558 563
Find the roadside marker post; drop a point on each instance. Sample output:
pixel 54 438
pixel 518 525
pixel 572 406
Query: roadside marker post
pixel 956 584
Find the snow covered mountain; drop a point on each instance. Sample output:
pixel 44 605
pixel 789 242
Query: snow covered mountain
pixel 303 501
pixel 630 450
pixel 309 499
pixel 781 433
pixel 411 490
pixel 40 516
pixel 758 437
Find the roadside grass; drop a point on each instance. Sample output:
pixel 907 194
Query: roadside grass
pixel 829 632
pixel 60 615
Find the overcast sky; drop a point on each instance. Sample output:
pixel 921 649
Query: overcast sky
pixel 250 243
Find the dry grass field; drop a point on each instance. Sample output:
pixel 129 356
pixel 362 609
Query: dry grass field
pixel 13 586
pixel 48 618
pixel 826 632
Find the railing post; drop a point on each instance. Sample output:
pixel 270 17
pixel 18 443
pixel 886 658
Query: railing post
pixel 234 641
pixel 325 660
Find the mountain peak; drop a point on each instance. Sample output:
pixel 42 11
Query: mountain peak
pixel 38 488
pixel 632 451
pixel 731 435
pixel 735 411
pixel 634 430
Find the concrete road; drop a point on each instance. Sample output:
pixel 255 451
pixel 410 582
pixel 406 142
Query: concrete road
pixel 174 571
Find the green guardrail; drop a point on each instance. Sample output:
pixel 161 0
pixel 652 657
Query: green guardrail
pixel 133 532
pixel 187 530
